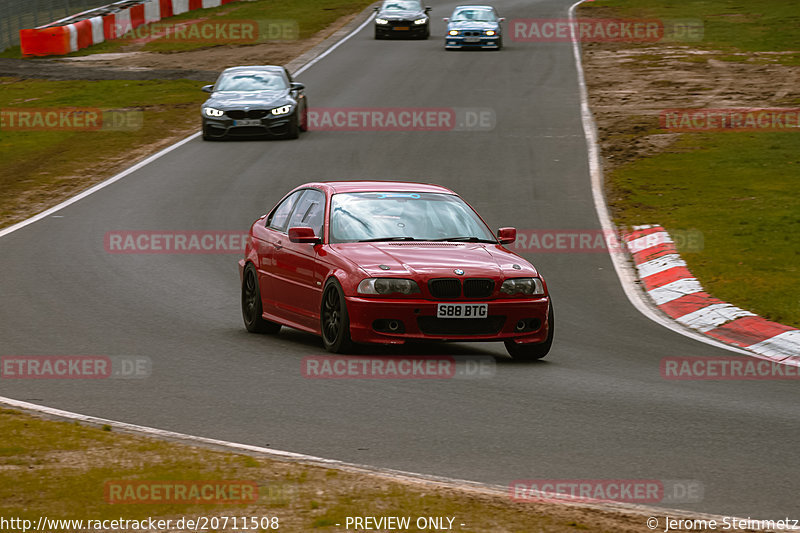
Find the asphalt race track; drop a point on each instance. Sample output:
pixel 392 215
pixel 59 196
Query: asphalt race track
pixel 595 408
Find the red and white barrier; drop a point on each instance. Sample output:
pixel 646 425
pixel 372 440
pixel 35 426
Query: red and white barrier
pixel 672 288
pixel 104 23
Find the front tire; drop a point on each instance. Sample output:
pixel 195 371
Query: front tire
pixel 294 128
pixel 251 304
pixel 532 352
pixel 304 122
pixel 334 320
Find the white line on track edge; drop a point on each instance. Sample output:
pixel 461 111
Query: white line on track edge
pixel 396 475
pixel 625 272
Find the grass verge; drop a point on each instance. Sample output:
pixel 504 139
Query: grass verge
pixel 276 20
pixel 59 470
pixel 730 27
pixel 39 167
pixel 740 189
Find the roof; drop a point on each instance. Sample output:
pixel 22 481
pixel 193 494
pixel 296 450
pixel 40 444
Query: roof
pixel 255 67
pixel 379 186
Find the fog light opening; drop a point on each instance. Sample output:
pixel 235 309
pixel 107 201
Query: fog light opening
pixel 393 325
pixel 521 325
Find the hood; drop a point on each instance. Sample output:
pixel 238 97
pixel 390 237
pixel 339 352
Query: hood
pixel 401 15
pixel 239 99
pixel 439 259
pixel 472 25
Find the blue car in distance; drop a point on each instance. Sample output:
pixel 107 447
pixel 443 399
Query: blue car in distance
pixel 474 27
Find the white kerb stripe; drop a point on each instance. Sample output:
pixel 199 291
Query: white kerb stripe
pixel 98 35
pixel 665 262
pixel 122 22
pixel 180 6
pixel 676 289
pixel 779 345
pixel 211 3
pixel 712 316
pixel 646 226
pixel 648 241
pixel 73 38
pixel 152 11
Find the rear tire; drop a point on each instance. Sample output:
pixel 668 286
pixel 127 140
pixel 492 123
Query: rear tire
pixel 252 310
pixel 532 352
pixel 334 320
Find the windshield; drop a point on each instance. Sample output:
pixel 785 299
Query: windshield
pixel 474 15
pixel 251 81
pixel 401 5
pixel 374 216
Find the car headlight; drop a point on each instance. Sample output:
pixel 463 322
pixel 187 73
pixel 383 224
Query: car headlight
pixel 381 21
pixel 452 32
pixel 490 32
pixel 388 286
pixel 211 112
pixel 420 21
pixel 282 110
pixel 529 286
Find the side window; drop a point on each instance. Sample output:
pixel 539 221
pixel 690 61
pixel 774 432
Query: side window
pixel 277 220
pixel 310 211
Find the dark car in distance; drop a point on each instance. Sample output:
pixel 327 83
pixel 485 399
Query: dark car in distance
pixel 254 101
pixel 402 18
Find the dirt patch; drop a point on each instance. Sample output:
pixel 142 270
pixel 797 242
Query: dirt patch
pixel 629 86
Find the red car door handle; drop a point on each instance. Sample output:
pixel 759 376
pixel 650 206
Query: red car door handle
pixel 277 244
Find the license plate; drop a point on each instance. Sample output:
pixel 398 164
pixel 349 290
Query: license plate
pixel 401 27
pixel 462 310
pixel 247 122
pixel 472 40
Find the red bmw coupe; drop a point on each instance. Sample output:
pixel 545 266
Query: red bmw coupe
pixel 388 262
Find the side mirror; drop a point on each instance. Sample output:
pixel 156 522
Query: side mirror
pixel 297 86
pixel 446 19
pixel 303 235
pixel 428 9
pixel 376 8
pixel 501 19
pixel 507 235
pixel 208 89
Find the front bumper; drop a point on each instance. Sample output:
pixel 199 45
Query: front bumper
pixel 391 29
pixel 268 126
pixel 369 318
pixel 460 41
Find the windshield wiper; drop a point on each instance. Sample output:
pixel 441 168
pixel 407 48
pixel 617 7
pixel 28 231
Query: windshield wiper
pixel 466 239
pixel 378 239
